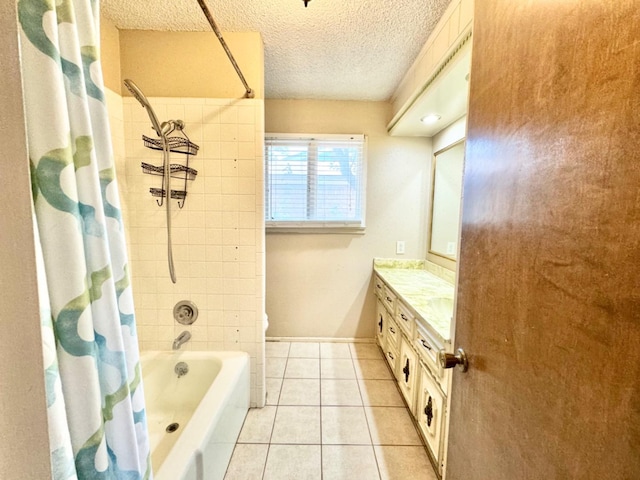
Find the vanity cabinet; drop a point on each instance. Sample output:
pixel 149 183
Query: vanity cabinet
pixel 410 343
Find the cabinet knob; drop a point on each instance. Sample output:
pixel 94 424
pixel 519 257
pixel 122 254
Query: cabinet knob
pixel 428 411
pixel 406 372
pixel 449 360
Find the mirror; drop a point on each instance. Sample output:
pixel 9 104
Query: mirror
pixel 445 205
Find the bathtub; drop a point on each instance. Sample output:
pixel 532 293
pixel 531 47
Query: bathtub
pixel 194 420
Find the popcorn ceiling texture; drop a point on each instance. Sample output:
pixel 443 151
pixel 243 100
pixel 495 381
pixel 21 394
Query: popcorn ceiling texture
pixel 335 50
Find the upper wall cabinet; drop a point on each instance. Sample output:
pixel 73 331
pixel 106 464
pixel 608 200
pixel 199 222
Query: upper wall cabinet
pixel 434 92
pixel 443 102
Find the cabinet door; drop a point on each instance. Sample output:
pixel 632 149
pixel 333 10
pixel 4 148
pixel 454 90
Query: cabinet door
pixel 430 414
pixel 408 372
pixel 381 323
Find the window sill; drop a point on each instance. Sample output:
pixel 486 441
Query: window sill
pixel 334 228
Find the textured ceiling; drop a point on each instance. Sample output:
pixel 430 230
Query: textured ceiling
pixel 333 49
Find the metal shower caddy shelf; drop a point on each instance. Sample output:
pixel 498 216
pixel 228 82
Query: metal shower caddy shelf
pixel 180 145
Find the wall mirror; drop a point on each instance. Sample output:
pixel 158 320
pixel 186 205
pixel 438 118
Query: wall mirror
pixel 445 204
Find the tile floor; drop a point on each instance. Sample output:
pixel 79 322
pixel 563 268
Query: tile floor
pixel 333 413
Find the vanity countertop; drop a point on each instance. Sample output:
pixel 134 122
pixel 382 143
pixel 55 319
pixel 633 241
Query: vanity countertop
pixel 428 295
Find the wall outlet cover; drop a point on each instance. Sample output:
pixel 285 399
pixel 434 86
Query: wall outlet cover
pixel 451 248
pixel 400 247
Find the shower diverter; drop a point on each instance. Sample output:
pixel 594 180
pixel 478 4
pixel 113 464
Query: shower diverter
pixel 185 312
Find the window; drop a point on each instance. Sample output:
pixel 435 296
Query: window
pixel 314 181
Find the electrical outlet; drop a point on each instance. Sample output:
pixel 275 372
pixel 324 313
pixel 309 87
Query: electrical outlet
pixel 400 247
pixel 451 248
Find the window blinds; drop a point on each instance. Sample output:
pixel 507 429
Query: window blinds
pixel 314 180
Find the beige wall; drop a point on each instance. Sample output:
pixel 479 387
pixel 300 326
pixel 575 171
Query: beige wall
pixel 24 443
pixel 191 64
pixel 318 285
pixel 110 54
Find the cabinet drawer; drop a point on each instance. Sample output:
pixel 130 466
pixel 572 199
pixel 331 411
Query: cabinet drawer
pixel 389 299
pixel 391 354
pixel 392 333
pixel 405 319
pixel 427 347
pixel 430 415
pixel 378 287
pixel 408 372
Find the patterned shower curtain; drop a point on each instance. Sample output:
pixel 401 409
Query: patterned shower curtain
pixel 96 416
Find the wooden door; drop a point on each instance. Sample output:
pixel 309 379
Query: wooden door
pixel 549 279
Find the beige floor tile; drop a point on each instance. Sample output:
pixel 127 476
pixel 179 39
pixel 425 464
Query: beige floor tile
pixel 372 369
pixel 258 425
pixel 391 426
pixel 276 349
pixel 302 368
pixel 293 462
pixel 404 463
pixel 335 350
pixel 369 351
pixel 380 393
pixel 340 392
pixel 273 386
pixel 274 367
pixel 297 425
pixel 345 426
pixel 337 368
pixel 349 462
pixel 247 462
pixel 304 350
pixel 300 391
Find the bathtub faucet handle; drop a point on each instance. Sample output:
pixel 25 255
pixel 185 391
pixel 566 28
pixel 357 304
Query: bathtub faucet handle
pixel 181 339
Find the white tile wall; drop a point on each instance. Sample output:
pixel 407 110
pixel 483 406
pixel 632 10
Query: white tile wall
pixel 218 237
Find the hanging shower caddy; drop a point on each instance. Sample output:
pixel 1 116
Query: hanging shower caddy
pixel 176 144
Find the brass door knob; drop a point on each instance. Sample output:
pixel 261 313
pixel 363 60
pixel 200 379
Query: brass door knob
pixel 449 360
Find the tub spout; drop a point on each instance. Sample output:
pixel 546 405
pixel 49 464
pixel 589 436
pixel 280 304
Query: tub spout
pixel 181 339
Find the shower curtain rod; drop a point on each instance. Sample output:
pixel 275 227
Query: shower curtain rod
pixel 249 92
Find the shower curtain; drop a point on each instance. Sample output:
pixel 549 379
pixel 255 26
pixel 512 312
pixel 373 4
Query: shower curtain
pixel 96 416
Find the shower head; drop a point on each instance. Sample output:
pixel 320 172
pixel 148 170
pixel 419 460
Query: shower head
pixel 136 92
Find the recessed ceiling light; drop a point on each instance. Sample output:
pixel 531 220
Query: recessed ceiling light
pixel 430 119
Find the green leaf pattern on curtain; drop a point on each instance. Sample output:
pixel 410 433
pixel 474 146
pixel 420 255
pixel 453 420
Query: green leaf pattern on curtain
pixel 95 399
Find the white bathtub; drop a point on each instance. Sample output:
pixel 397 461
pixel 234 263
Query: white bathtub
pixel 209 403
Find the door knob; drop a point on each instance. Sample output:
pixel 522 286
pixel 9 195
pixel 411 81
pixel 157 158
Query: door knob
pixel 449 360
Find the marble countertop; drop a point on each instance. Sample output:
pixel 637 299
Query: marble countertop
pixel 429 296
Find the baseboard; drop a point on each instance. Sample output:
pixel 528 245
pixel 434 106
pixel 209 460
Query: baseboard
pixel 320 339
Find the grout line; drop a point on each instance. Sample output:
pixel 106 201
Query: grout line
pixel 320 408
pixel 275 416
pixel 366 419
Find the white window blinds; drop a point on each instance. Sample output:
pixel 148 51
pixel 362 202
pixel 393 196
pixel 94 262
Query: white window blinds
pixel 315 180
